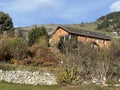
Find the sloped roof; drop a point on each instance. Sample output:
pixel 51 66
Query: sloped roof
pixel 84 32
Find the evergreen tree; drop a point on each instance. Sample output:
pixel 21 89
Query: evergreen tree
pixel 35 34
pixel 6 23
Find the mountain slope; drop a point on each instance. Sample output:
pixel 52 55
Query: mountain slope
pixel 109 22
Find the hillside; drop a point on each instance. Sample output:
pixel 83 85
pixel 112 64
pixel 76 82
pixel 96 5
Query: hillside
pixel 105 24
pixel 109 22
pixel 52 27
pixel 110 16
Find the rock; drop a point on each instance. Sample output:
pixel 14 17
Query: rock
pixel 94 80
pixel 26 77
pixel 0 71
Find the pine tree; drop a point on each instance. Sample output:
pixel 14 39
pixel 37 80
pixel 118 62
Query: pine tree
pixel 6 23
pixel 35 34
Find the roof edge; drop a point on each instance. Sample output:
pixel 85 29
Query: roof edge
pixel 66 29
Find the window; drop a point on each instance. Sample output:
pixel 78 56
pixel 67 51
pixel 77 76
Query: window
pixel 66 38
pixel 86 39
pixel 104 42
pixel 69 36
pixel 50 40
pixel 96 41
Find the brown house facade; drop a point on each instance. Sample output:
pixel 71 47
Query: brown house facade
pixel 82 35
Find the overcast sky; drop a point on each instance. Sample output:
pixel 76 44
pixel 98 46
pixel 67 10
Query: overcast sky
pixel 31 12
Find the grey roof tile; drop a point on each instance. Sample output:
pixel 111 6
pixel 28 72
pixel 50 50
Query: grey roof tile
pixel 85 32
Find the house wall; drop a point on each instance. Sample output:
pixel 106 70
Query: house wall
pixel 108 44
pixel 56 36
pixel 100 42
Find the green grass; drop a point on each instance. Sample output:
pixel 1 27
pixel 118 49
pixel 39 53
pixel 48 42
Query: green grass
pixel 87 26
pixel 6 86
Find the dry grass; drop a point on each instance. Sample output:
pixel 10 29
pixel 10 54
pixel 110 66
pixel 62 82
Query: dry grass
pixel 6 66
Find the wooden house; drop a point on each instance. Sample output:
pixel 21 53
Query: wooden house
pixel 84 36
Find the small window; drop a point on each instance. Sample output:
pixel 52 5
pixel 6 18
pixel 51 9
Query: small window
pixel 69 36
pixel 86 39
pixel 64 38
pixel 96 41
pixel 104 42
pixel 50 40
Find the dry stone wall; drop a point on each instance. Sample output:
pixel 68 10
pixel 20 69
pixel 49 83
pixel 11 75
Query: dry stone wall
pixel 27 77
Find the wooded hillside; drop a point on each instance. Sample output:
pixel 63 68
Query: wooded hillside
pixel 109 22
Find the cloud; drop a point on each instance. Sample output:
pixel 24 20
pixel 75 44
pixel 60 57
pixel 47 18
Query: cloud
pixel 115 6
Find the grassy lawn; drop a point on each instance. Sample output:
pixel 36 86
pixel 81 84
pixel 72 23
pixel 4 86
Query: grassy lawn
pixel 6 86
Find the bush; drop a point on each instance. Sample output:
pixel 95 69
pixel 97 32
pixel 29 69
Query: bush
pixel 15 48
pixel 99 64
pixel 67 75
pixel 39 56
pixel 69 44
pixel 41 42
pixel 35 34
pixel 5 40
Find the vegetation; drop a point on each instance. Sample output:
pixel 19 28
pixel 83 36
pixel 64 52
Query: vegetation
pixel 35 34
pixel 87 26
pixel 12 48
pixel 83 63
pixel 6 86
pixel 6 23
pixel 68 43
pixel 15 50
pixel 110 22
pixel 7 66
pixel 113 15
pixel 40 57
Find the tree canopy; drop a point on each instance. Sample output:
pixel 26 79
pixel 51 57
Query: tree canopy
pixel 35 34
pixel 6 23
pixel 110 21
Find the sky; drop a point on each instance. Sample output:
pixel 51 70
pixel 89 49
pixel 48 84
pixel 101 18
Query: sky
pixel 33 12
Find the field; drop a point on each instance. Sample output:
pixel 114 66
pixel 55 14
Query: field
pixel 6 86
pixel 87 26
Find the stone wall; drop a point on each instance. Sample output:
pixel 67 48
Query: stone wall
pixel 27 77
